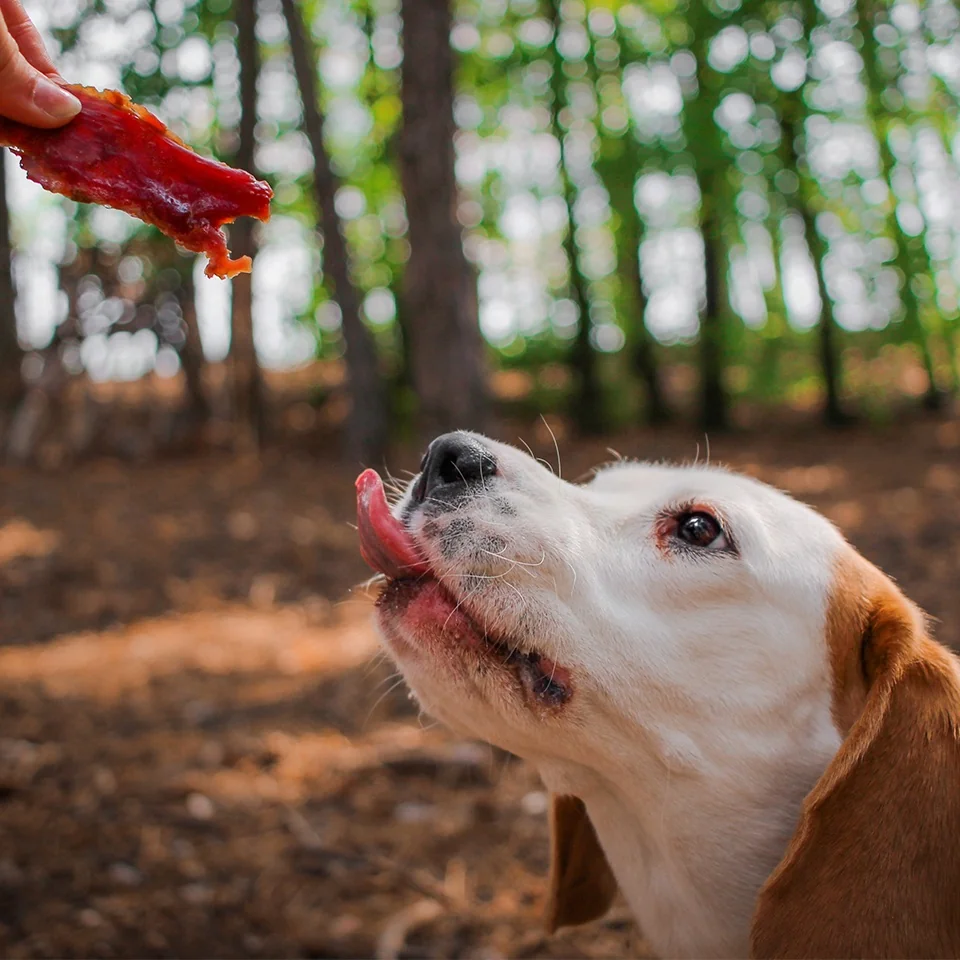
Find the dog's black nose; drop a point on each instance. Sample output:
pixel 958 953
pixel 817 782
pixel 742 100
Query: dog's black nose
pixel 453 465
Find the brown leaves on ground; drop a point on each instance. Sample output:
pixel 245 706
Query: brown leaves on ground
pixel 202 756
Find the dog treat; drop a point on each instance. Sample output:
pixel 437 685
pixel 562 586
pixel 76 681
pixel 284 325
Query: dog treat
pixel 118 154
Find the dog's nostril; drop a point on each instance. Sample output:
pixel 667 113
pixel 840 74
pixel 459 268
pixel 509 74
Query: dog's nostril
pixel 450 471
pixel 454 463
pixel 465 464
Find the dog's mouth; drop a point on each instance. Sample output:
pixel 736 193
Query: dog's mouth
pixel 415 596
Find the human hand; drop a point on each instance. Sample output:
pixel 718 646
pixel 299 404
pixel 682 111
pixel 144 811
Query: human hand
pixel 29 90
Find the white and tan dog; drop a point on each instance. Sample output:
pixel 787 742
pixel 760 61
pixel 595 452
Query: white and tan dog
pixel 744 724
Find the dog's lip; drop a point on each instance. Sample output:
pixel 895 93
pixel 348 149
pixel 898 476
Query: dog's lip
pixel 385 543
pixel 425 602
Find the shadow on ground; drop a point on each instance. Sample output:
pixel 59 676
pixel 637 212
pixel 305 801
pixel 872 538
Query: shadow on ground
pixel 201 754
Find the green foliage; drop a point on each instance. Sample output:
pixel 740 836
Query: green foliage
pixel 814 146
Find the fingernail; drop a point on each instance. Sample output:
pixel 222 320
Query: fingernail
pixel 55 102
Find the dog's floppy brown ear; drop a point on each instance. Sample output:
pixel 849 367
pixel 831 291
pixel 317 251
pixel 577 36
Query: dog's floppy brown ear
pixel 873 869
pixel 582 885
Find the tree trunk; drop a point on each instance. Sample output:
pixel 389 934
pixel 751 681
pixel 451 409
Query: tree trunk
pixel 617 166
pixel 905 259
pixel 833 411
pixel 713 398
pixel 41 412
pixel 367 425
pixel 704 140
pixel 829 353
pixel 246 385
pixel 11 383
pixel 440 289
pixel 586 407
pixel 191 353
pixel 642 344
pixel 766 381
pixel 645 348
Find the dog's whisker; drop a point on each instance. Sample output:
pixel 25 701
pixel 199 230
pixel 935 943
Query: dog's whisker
pixel 514 560
pixel 458 605
pixel 393 676
pixel 539 460
pixel 386 693
pixel 376 660
pixel 556 446
pixel 430 726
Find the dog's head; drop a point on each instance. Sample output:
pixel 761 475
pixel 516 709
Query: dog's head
pixel 656 619
pixel 562 621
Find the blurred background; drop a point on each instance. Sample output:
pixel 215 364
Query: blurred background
pixel 660 229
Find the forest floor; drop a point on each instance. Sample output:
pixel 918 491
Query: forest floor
pixel 201 754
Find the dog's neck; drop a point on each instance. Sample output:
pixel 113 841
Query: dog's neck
pixel 691 844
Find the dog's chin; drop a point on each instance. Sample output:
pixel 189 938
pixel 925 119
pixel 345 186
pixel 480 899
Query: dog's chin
pixel 449 656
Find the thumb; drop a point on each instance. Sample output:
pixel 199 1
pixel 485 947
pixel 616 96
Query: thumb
pixel 26 94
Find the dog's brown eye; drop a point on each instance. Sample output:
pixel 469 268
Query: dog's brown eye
pixel 701 530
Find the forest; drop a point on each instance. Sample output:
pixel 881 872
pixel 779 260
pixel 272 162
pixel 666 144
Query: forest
pixel 619 213
pixel 692 230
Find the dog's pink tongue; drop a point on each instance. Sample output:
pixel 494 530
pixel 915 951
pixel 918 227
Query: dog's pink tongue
pixel 385 542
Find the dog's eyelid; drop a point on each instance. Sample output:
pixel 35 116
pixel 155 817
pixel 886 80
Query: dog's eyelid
pixel 670 517
pixel 693 505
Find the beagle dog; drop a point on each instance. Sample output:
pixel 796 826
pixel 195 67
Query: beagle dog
pixel 744 725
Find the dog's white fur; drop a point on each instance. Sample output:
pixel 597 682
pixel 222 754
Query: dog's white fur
pixel 701 715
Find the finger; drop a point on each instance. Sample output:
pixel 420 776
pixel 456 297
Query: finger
pixel 26 94
pixel 26 36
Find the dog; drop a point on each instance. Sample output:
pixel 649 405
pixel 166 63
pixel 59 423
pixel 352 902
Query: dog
pixel 744 726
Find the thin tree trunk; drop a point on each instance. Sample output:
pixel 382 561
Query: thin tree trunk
pixel 831 365
pixel 642 344
pixel 704 141
pixel 445 342
pixel 713 398
pixel 618 173
pixel 586 407
pixel 246 384
pixel 191 354
pixel 586 401
pixel 367 426
pixel 766 380
pixel 644 347
pixel 905 260
pixel 11 382
pixel 41 411
pixel 403 382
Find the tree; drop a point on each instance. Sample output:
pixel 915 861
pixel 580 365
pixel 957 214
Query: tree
pixel 703 139
pixel 619 160
pixel 246 384
pixel 713 398
pixel 191 353
pixel 367 425
pixel 440 294
pixel 587 398
pixel 909 250
pixel 831 363
pixel 776 331
pixel 619 178
pixel 11 383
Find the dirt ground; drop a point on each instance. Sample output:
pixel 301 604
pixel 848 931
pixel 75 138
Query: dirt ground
pixel 201 754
